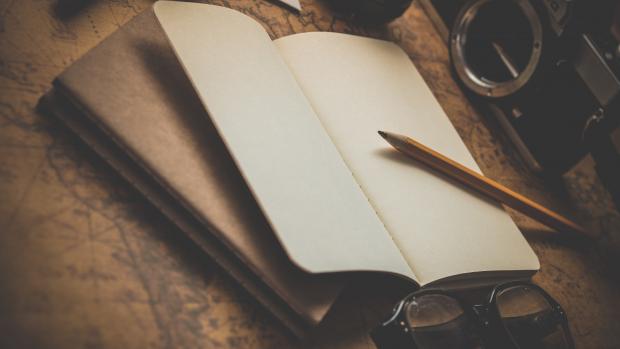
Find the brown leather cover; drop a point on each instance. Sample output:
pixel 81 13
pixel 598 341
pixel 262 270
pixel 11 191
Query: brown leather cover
pixel 129 99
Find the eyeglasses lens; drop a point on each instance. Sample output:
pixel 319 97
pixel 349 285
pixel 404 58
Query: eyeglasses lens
pixel 439 322
pixel 529 318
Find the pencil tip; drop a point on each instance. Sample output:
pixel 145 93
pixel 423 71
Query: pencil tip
pixel 382 134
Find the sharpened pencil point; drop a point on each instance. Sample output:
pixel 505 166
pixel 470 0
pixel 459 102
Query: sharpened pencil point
pixel 382 134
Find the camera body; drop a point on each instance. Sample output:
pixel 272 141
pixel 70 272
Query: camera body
pixel 548 70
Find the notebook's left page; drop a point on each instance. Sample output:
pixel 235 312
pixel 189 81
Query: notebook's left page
pixel 309 196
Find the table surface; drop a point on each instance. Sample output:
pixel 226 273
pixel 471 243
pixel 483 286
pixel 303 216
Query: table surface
pixel 85 261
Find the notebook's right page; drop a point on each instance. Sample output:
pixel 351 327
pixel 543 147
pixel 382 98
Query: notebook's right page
pixel 358 86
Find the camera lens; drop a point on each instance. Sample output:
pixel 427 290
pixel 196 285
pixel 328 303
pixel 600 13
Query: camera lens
pixel 495 45
pixel 499 42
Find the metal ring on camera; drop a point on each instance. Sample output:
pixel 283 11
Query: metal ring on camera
pixel 458 40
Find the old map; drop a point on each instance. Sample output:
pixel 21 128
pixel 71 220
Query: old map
pixel 86 262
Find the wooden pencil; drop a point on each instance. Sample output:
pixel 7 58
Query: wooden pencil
pixel 482 184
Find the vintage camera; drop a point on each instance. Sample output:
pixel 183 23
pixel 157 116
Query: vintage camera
pixel 548 70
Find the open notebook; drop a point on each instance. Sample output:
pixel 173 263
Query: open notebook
pixel 300 115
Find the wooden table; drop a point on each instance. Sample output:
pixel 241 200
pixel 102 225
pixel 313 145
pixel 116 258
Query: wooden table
pixel 86 262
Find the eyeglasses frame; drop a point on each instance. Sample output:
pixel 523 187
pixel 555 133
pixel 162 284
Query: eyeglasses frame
pixel 395 332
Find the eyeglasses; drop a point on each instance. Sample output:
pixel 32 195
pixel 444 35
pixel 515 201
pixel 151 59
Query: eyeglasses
pixel 516 315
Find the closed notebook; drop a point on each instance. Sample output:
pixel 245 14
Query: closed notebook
pixel 129 100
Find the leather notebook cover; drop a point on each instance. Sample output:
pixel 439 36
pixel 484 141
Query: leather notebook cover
pixel 129 99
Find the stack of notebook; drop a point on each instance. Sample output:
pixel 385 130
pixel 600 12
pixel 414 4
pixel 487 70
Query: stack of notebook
pixel 266 154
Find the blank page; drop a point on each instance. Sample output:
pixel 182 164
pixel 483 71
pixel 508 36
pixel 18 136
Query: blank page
pixel 295 173
pixel 358 86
